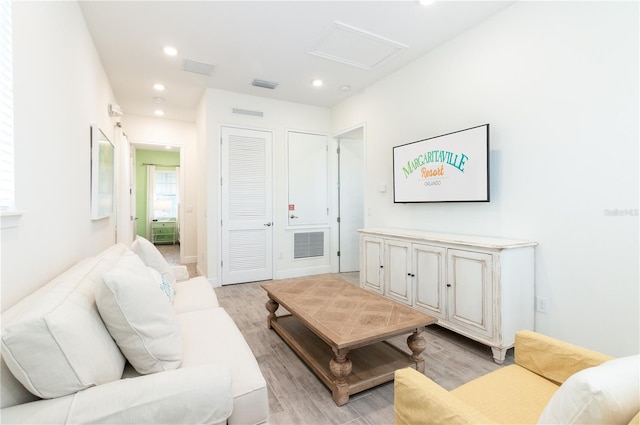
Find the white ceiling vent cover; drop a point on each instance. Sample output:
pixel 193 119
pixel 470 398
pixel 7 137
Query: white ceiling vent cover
pixel 264 84
pixel 197 67
pixel 308 244
pixel 352 46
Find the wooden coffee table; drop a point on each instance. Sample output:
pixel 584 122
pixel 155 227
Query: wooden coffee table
pixel 339 331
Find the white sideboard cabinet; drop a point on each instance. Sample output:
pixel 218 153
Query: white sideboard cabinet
pixel 479 287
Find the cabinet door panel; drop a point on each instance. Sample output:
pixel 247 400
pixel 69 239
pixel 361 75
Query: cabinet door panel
pixel 398 268
pixel 371 261
pixel 429 267
pixel 471 292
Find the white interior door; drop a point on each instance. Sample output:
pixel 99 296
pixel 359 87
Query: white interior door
pixel 247 217
pixel 308 179
pixel 132 191
pixel 123 201
pixel 351 188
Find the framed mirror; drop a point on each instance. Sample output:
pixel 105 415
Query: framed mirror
pixel 102 174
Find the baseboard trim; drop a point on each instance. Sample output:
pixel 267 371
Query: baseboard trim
pixel 190 259
pixel 309 271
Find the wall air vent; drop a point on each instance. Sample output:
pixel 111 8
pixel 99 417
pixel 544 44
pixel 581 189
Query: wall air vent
pixel 247 112
pixel 264 84
pixel 308 244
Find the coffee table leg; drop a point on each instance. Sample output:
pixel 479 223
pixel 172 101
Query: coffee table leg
pixel 417 344
pixel 271 306
pixel 340 367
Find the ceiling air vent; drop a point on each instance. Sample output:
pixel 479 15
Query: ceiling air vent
pixel 197 67
pixel 264 84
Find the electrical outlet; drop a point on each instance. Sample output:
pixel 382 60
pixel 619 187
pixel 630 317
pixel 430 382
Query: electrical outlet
pixel 542 305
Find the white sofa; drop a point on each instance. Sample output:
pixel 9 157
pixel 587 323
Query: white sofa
pixel 61 364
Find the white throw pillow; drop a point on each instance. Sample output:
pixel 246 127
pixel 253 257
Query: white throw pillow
pixel 153 258
pixel 162 283
pixel 59 345
pixel 138 316
pixel 605 394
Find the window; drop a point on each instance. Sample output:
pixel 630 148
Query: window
pixel 7 185
pixel 165 204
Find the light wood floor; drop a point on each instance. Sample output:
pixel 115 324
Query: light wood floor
pixel 297 396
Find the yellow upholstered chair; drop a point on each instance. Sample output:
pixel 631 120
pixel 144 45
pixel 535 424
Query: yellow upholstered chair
pixel 522 392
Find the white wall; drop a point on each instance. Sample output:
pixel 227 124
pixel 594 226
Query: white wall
pixel 158 131
pixel 558 82
pixel 203 137
pixel 278 117
pixel 60 90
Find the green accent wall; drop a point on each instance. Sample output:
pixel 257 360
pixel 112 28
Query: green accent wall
pixel 148 157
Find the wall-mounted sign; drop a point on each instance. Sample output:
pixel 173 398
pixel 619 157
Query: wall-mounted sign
pixel 453 167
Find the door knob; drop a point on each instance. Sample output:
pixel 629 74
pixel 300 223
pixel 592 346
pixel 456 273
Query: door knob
pixel 268 224
pixel 293 216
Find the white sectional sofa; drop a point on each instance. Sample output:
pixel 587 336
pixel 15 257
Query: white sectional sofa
pixel 102 344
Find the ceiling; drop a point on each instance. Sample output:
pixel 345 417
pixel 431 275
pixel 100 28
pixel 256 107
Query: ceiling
pixel 289 43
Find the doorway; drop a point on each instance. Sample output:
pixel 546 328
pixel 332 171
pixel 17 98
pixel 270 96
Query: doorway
pixel 350 198
pixel 157 193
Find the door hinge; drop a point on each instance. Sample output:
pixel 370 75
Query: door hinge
pixel 220 181
pixel 338 151
pixel 338 253
pixel 338 219
pixel 327 211
pixel 220 223
pixel 221 263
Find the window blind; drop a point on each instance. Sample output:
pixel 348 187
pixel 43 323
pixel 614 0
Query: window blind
pixel 7 184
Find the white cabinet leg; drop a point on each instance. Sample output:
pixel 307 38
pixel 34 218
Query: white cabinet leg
pixel 499 354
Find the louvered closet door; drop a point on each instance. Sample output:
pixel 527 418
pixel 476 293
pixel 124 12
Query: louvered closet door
pixel 247 221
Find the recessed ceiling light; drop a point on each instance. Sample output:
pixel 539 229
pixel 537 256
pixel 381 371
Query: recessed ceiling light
pixel 158 87
pixel 317 83
pixel 170 50
pixel 159 112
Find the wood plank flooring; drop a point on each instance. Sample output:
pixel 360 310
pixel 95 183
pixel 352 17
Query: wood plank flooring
pixel 297 396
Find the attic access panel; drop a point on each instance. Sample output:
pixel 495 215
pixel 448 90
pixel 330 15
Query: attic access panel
pixel 352 46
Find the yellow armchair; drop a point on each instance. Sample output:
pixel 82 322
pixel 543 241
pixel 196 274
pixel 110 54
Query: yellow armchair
pixel 515 394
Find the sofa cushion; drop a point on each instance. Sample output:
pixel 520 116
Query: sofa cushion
pixel 197 395
pixel 45 412
pixel 609 393
pixel 57 344
pixel 153 258
pixel 211 337
pixel 138 316
pixel 194 294
pixel 522 395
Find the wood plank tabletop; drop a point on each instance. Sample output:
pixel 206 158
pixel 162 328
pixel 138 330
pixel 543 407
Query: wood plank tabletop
pixel 343 315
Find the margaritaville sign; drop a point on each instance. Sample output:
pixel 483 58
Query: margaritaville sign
pixel 456 160
pixel 450 168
